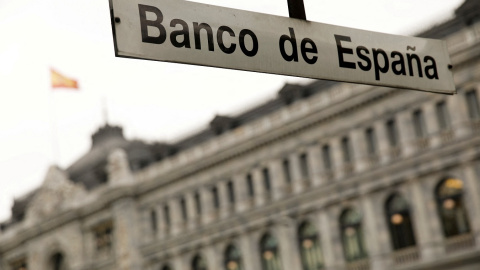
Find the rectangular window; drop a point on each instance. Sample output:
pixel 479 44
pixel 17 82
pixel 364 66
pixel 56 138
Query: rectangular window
pixel 442 115
pixel 153 220
pixel 103 236
pixel 419 124
pixel 251 191
pixel 183 207
pixel 304 165
pixel 371 141
pixel 266 178
pixel 231 192
pixel 327 157
pixel 216 200
pixel 472 104
pixel 198 203
pixel 347 153
pixel 166 213
pixel 392 132
pixel 286 170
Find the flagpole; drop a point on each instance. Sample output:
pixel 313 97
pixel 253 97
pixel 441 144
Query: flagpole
pixel 104 110
pixel 57 80
pixel 53 128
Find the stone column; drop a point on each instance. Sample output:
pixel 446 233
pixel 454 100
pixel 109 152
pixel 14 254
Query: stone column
pixel 382 141
pixel 206 199
pixel 373 233
pixel 471 199
pixel 249 246
pixel 277 179
pixel 180 262
pixel 314 165
pixel 191 210
pixel 225 209
pixel 176 216
pixel 328 235
pixel 259 186
pixel 358 145
pixel 211 257
pixel 406 133
pixel 337 158
pixel 295 171
pixel 125 233
pixel 431 123
pixel 125 216
pixel 241 193
pixel 288 247
pixel 458 110
pixel 428 236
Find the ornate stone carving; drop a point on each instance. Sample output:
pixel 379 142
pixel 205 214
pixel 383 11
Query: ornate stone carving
pixel 57 193
pixel 118 169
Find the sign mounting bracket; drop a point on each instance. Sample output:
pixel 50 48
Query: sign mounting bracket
pixel 296 9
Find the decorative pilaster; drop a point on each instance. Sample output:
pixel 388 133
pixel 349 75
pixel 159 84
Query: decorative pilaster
pixel 241 194
pixel 314 164
pixel 406 133
pixel 472 199
pixel 277 179
pixel 289 252
pixel 125 230
pixel 424 214
pixel 457 107
pixel 295 170
pixel 373 234
pixel 250 251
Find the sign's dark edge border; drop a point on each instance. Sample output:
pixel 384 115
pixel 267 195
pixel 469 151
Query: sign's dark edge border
pixel 112 22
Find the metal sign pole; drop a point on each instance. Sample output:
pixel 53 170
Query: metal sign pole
pixel 296 9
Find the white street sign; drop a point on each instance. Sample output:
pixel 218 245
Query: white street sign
pixel 200 34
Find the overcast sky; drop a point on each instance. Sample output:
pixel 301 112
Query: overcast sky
pixel 151 100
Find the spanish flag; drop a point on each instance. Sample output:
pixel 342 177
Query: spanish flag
pixel 60 81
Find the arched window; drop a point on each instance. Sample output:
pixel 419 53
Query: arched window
pixel 57 262
pixel 352 235
pixel 310 251
pixel 233 259
pixel 198 263
pixel 399 222
pixel 449 195
pixel 269 253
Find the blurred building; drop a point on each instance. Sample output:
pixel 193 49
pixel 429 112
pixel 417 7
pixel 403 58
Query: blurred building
pixel 324 176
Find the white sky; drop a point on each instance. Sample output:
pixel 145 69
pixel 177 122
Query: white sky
pixel 151 100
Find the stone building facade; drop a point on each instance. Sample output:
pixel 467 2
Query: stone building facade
pixel 324 176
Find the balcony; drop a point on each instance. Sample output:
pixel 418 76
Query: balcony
pixel 306 183
pixel 405 255
pixel 475 125
pixel 394 152
pixel 328 175
pixel 347 168
pixel 421 143
pixel 287 188
pixel 446 136
pixel 373 160
pixel 459 242
pixel 363 264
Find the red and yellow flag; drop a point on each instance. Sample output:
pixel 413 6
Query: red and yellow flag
pixel 60 81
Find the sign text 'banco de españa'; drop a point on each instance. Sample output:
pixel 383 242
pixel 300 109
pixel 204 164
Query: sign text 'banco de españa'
pixel 200 34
